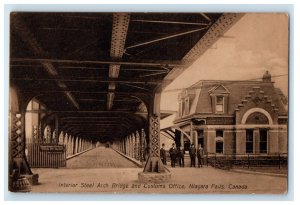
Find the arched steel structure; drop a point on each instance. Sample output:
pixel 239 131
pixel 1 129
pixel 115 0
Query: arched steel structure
pixel 101 74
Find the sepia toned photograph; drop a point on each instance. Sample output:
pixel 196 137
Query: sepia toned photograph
pixel 164 103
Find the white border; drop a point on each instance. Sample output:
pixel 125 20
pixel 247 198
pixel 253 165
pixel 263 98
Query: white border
pixel 294 75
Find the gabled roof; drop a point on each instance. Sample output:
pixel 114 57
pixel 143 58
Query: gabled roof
pixel 237 91
pixel 219 89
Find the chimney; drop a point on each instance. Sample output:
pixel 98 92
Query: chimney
pixel 267 77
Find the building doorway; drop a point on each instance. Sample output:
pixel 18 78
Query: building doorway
pixel 200 137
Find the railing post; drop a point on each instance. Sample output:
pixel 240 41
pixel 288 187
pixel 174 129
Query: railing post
pixel 215 160
pixel 207 159
pixel 248 161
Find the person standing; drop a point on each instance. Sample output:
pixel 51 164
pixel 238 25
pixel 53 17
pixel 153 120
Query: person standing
pixel 173 155
pixel 200 155
pixel 163 154
pixel 193 155
pixel 181 156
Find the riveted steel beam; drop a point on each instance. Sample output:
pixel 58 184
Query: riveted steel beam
pixel 119 33
pixel 216 31
pixel 37 49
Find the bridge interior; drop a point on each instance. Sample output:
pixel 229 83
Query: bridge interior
pixel 97 71
pixel 88 78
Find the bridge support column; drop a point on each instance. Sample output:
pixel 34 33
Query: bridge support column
pixel 130 145
pixel 154 171
pixel 123 145
pixel 21 177
pixel 143 145
pixel 80 145
pixel 127 145
pixel 73 144
pixel 133 145
pixel 70 145
pixel 76 146
pixel 137 146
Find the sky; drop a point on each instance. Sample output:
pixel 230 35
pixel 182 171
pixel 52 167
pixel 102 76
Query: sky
pixel 256 43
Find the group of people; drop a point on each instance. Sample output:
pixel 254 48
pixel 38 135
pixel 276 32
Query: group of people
pixel 178 154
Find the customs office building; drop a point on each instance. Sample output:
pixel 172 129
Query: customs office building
pixel 232 117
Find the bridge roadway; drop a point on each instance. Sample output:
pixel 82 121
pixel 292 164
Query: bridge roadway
pixel 100 157
pixel 103 170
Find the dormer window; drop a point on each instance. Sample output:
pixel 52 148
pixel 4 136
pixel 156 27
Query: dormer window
pixel 219 104
pixel 219 99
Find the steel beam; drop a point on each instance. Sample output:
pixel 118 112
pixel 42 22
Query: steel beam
pixel 171 22
pixel 216 30
pixel 119 33
pixel 167 37
pixel 159 63
pixel 93 80
pixel 37 49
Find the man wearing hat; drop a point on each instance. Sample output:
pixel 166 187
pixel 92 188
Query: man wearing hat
pixel 193 155
pixel 173 155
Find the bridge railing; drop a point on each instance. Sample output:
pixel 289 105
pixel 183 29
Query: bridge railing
pixel 46 155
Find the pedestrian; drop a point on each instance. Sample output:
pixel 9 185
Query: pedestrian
pixel 193 155
pixel 173 155
pixel 163 154
pixel 181 156
pixel 200 155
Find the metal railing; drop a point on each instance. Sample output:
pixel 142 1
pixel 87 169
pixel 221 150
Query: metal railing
pixel 228 161
pixel 46 155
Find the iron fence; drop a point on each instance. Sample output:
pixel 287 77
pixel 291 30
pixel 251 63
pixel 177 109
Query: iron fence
pixel 46 155
pixel 228 161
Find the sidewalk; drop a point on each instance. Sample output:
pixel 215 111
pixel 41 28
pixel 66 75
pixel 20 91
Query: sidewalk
pixel 258 172
pixel 183 180
pixel 102 170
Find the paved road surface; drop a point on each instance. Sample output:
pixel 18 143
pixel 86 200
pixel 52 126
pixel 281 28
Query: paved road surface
pixel 100 157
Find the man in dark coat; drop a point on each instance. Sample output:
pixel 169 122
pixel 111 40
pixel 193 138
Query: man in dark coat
pixel 193 155
pixel 200 155
pixel 173 155
pixel 181 156
pixel 163 155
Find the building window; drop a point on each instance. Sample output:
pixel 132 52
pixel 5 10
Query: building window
pixel 249 141
pixel 219 147
pixel 186 106
pixel 263 143
pixel 219 141
pixel 220 104
pixel 180 109
pixel 219 133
